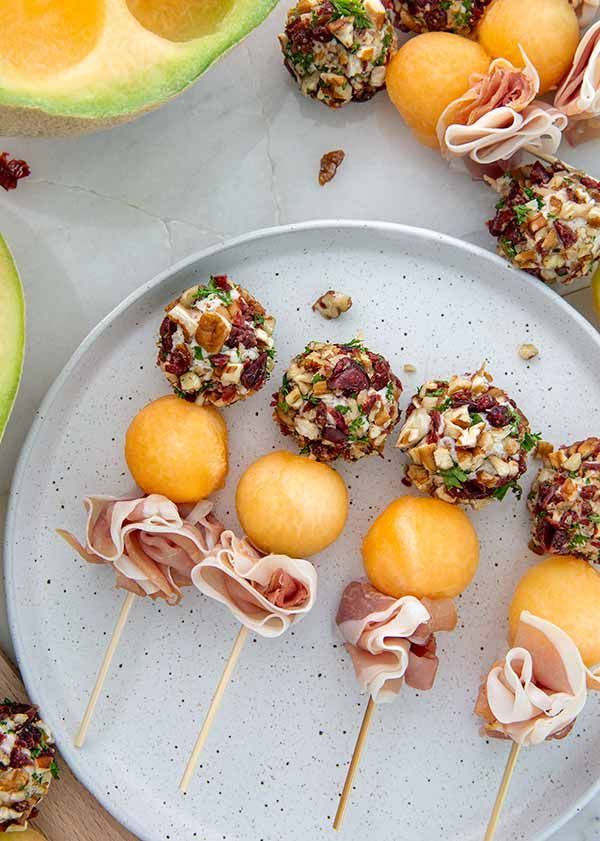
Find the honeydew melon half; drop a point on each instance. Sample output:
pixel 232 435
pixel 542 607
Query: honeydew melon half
pixel 12 333
pixel 77 66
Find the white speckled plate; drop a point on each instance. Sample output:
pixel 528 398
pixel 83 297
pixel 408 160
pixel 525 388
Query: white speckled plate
pixel 276 758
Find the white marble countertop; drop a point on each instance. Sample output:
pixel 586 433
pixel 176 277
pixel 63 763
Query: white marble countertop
pixel 239 151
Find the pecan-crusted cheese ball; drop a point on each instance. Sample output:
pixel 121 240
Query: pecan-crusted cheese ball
pixel 337 50
pixel 338 401
pixel 27 764
pixel 460 16
pixel 548 221
pixel 565 501
pixel 467 440
pixel 216 343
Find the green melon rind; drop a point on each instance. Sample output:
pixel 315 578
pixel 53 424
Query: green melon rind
pixel 153 86
pixel 12 333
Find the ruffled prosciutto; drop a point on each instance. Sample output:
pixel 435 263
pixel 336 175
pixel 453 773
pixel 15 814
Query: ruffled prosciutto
pixel 264 592
pixel 499 115
pixel 540 687
pixel 392 640
pixel 579 95
pixel 152 543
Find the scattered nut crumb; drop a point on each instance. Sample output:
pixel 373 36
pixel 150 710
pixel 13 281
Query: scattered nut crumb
pixel 528 351
pixel 332 304
pixel 410 369
pixel 329 165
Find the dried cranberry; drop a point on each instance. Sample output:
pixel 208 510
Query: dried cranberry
pixel 167 328
pixel 539 174
pixel 589 492
pixel 483 403
pixel 336 436
pixel 29 736
pixel 255 372
pixel 228 394
pixel 382 372
pixel 436 19
pixel 219 360
pixel 244 336
pixel 369 403
pixel 18 758
pixel 566 234
pixel 179 361
pixel 338 420
pixel 348 377
pixel 498 416
pixel 222 281
pixel 11 171
pixel 435 430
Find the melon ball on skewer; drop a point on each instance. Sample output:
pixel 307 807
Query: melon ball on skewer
pixel 565 591
pixel 291 505
pixel 547 30
pixel 177 449
pixel 427 74
pixel 421 547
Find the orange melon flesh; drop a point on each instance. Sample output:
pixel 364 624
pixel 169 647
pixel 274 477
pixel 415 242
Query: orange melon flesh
pixel 180 20
pixel 45 36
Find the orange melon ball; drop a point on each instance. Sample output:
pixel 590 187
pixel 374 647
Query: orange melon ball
pixel 427 74
pixel 291 505
pixel 547 30
pixel 421 547
pixel 177 449
pixel 566 591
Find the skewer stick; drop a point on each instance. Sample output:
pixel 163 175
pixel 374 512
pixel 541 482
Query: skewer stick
pixel 549 159
pixel 213 709
pixel 358 748
pixel 104 669
pixel 502 792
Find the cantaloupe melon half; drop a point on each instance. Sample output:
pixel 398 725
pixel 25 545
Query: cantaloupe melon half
pixel 12 333
pixel 75 66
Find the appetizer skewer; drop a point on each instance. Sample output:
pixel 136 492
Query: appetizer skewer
pixel 419 554
pixel 265 593
pixel 153 546
pixel 538 689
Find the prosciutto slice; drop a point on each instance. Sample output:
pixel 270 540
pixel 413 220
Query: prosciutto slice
pixel 152 543
pixel 266 593
pixel 540 687
pixel 579 95
pixel 499 115
pixel 392 640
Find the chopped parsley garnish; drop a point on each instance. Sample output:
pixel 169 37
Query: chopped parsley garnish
pixel 305 451
pixel 181 394
pixel 437 393
pixel 352 8
pixel 513 486
pixel 508 247
pixel 530 441
pixel 198 352
pixel 516 420
pixel 445 405
pixel 342 409
pixel 595 518
pixel 578 540
pixel 389 390
pixel 286 385
pixel 303 60
pixel 355 343
pixel 258 319
pixel 283 407
pixel 355 428
pixel 318 378
pixel 54 769
pixel 454 477
pixel 522 211
pixel 211 288
pixel 270 352
pixel 35 752
pixel 476 418
pixel 313 399
pixel 37 778
pixel 387 40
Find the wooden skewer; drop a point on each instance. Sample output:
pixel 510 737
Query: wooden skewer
pixel 549 159
pixel 81 735
pixel 358 748
pixel 213 709
pixel 502 792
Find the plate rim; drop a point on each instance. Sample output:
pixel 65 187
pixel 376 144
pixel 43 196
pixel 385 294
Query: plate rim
pixel 68 751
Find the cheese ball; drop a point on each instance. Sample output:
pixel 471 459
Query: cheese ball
pixel 336 57
pixel 467 440
pixel 215 344
pixel 460 16
pixel 427 74
pixel 547 221
pixel 566 591
pixel 548 31
pixel 291 505
pixel 565 501
pixel 421 547
pixel 27 764
pixel 338 401
pixel 177 449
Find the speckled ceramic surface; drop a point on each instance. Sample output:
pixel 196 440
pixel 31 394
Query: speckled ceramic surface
pixel 275 761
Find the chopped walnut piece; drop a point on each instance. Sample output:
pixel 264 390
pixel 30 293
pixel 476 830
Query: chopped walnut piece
pixel 528 351
pixel 332 304
pixel 410 369
pixel 329 165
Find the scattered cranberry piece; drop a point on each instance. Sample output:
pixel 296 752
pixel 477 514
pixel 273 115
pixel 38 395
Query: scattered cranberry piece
pixel 11 171
pixel 348 377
